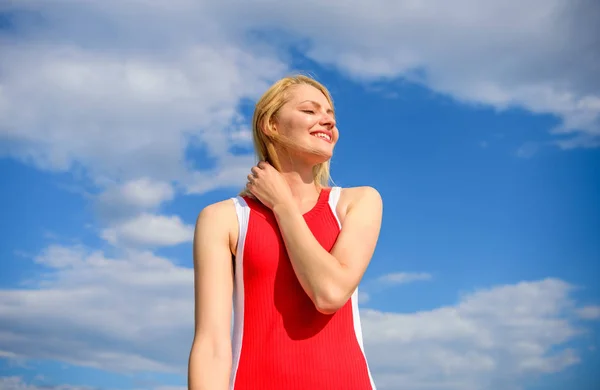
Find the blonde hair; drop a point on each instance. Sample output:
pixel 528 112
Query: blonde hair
pixel 265 137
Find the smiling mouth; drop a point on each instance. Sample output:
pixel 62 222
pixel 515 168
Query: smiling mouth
pixel 324 136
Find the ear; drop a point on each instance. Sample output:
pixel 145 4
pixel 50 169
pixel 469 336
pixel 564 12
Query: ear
pixel 269 129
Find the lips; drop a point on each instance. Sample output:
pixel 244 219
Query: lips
pixel 323 134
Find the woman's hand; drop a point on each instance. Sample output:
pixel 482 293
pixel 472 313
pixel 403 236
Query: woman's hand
pixel 269 186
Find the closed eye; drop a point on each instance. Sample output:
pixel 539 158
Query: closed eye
pixel 308 111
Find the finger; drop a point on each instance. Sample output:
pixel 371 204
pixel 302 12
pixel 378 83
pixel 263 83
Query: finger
pixel 251 179
pixel 256 170
pixel 263 165
pixel 251 188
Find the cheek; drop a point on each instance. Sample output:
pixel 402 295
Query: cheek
pixel 297 126
pixel 336 134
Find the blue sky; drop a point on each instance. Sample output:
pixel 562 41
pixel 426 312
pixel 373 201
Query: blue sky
pixel 478 124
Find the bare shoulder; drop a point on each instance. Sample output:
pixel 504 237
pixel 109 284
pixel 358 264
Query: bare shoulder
pixel 363 197
pixel 362 193
pixel 218 220
pixel 222 210
pixel 352 196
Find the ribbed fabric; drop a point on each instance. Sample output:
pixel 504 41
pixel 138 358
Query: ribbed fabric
pixel 287 344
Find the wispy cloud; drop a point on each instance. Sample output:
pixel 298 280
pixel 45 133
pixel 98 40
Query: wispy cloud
pixel 39 383
pixel 528 150
pixel 404 277
pixel 492 339
pixel 130 197
pixel 149 230
pixel 127 117
pixel 155 114
pixel 17 383
pixel 589 312
pixel 105 309
pixel 372 287
pixel 125 110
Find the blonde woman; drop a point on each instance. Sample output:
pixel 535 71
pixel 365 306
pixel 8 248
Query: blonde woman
pixel 290 251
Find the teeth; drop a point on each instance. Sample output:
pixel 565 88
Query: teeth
pixel 322 135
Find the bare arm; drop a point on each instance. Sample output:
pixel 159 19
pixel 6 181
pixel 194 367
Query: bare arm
pixel 329 279
pixel 209 364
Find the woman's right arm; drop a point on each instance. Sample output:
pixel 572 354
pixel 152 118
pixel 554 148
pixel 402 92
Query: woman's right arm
pixel 209 363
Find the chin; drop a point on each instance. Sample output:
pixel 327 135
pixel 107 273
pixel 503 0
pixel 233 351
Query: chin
pixel 320 160
pixel 320 157
pixel 315 157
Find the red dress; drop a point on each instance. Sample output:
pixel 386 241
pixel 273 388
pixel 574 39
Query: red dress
pixel 280 340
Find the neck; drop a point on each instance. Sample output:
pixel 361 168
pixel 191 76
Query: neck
pixel 299 177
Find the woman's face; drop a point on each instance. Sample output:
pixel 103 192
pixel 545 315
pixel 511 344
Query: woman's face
pixel 308 121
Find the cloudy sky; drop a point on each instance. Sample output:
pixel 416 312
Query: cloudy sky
pixel 479 123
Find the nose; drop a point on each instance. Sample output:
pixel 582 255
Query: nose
pixel 327 120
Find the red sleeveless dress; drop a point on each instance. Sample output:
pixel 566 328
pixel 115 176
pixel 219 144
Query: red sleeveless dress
pixel 280 340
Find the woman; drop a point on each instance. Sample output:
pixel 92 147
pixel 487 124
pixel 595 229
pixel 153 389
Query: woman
pixel 292 251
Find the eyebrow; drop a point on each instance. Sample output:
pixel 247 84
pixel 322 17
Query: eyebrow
pixel 329 111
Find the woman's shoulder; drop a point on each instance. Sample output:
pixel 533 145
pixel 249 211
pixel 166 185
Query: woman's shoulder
pixel 219 208
pixel 360 194
pixel 221 219
pixel 221 213
pixel 366 198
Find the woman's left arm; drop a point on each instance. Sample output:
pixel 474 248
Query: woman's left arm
pixel 329 279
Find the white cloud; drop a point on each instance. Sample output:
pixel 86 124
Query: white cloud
pixel 124 89
pixel 171 388
pixel 17 383
pixel 363 297
pixel 371 288
pixel 589 312
pixel 540 55
pixel 118 203
pixel 129 92
pixel 5 354
pixel 527 150
pixel 404 277
pixel 231 173
pixel 149 230
pixel 104 310
pixel 143 192
pixel 493 339
pixel 125 116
